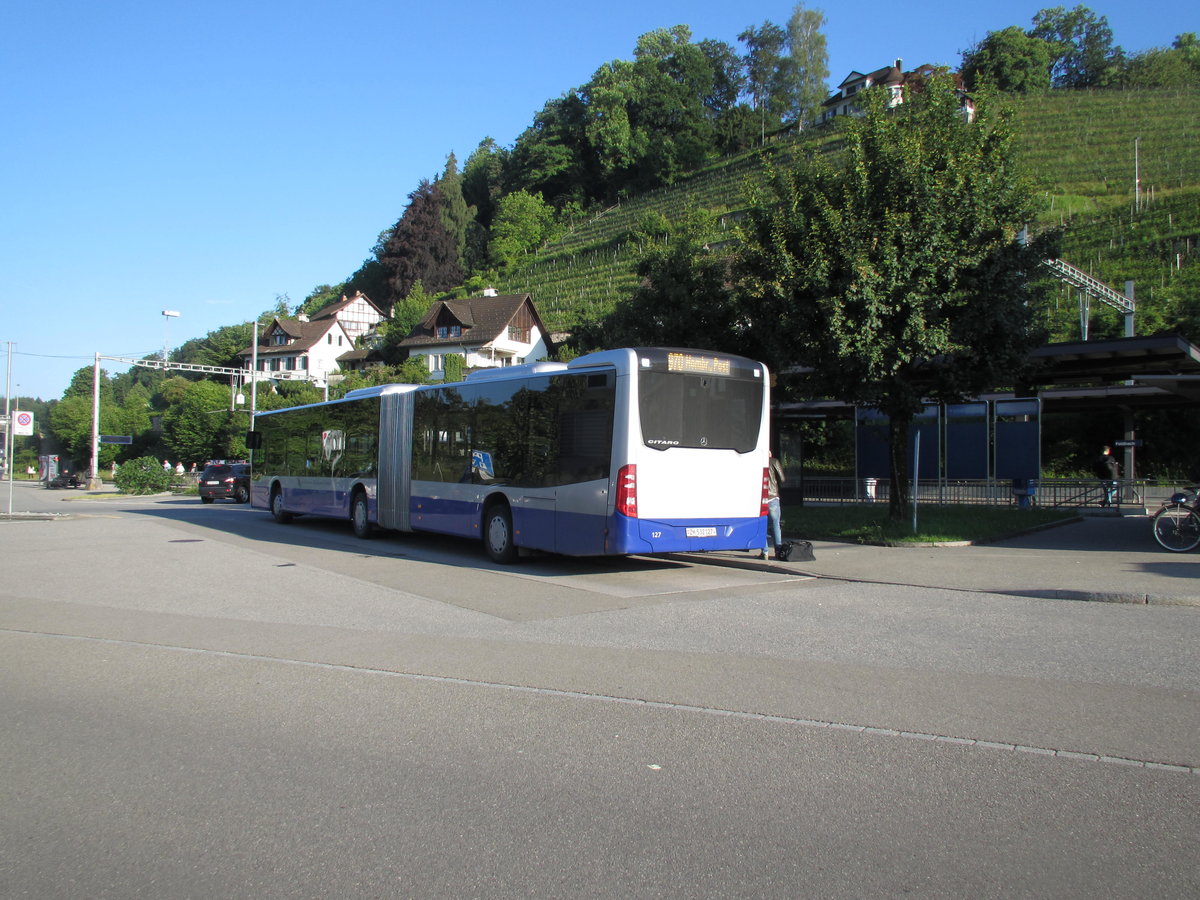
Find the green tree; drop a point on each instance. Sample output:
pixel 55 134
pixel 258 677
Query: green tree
pixel 71 425
pixel 1009 60
pixel 523 222
pixel 673 132
pixel 766 72
pixel 808 72
pixel 81 384
pixel 684 297
pixel 900 276
pixel 406 314
pixel 483 179
pixel 221 347
pixel 1085 54
pixel 1164 67
pixel 728 77
pixel 1188 45
pixel 549 156
pixel 201 425
pixel 456 214
pixel 453 365
pixel 320 297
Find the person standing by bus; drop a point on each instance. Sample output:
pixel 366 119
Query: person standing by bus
pixel 774 528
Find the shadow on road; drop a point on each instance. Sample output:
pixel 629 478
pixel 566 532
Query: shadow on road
pixel 333 535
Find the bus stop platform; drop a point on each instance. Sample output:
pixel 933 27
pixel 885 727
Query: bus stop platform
pixel 1112 559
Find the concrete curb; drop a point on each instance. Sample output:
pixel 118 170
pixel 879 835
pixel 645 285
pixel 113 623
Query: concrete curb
pixel 1131 598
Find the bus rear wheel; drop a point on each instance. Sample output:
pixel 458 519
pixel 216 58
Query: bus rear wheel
pixel 280 515
pixel 498 533
pixel 359 519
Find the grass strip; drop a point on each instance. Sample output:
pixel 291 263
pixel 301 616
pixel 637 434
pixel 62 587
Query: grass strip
pixel 869 523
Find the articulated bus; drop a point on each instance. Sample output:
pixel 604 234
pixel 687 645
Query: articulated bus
pixel 621 452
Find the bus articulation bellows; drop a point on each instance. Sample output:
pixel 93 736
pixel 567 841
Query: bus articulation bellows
pixel 632 451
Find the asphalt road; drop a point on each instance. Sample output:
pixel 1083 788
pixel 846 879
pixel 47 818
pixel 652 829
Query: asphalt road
pixel 199 702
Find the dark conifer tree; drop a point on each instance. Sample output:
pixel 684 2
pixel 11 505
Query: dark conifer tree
pixel 421 248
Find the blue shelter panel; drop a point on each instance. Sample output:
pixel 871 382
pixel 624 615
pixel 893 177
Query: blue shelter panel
pixel 873 453
pixel 966 440
pixel 1018 436
pixel 927 422
pixel 872 458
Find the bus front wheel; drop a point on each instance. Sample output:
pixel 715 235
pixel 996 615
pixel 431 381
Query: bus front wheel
pixel 498 534
pixel 358 516
pixel 277 511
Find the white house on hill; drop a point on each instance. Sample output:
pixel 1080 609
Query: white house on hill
pixel 492 330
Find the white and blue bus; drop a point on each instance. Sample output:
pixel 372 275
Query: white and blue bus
pixel 633 451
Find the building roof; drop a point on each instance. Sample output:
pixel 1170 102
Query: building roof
pixel 361 354
pixel 482 319
pixel 333 309
pixel 893 74
pixel 1154 372
pixel 301 336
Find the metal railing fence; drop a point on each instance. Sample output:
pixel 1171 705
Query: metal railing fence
pixel 1066 493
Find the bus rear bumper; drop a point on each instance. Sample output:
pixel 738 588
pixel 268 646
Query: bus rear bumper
pixel 641 536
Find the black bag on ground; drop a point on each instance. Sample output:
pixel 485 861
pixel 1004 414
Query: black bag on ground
pixel 794 551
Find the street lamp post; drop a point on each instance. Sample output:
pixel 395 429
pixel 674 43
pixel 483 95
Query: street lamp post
pixel 168 315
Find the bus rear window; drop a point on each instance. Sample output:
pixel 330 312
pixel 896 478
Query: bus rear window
pixel 699 411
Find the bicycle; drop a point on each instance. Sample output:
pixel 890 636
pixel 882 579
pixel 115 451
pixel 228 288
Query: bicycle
pixel 1177 524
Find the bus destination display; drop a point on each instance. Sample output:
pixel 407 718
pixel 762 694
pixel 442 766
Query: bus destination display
pixel 697 365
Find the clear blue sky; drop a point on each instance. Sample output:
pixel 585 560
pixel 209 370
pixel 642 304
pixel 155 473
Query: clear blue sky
pixel 207 157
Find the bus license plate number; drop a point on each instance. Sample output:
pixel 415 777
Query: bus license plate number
pixel 710 531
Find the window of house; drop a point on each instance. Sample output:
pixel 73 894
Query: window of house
pixel 517 333
pixel 329 338
pixel 443 331
pixel 304 363
pixel 435 362
pixel 455 331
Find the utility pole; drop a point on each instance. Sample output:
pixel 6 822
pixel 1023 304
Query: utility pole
pixel 8 426
pixel 94 474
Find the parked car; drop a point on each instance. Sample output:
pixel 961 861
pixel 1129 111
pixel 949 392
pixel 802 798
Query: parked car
pixel 65 480
pixel 230 481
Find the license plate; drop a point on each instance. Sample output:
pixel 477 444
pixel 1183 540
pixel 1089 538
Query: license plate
pixel 212 482
pixel 702 532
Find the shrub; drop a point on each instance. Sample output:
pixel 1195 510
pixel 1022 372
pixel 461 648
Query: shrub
pixel 144 475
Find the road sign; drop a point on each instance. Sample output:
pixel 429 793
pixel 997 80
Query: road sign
pixel 22 422
pixel 1130 443
pixel 116 439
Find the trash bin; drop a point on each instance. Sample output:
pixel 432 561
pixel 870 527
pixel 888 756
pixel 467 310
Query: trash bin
pixel 869 488
pixel 1024 490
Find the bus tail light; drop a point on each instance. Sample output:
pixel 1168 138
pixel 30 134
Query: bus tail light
pixel 627 491
pixel 766 492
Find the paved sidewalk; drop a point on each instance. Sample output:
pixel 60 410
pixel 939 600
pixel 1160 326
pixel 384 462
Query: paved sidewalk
pixel 1100 558
pixel 1105 558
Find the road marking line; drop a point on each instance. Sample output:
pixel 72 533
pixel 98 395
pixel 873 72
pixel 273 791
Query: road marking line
pixel 633 701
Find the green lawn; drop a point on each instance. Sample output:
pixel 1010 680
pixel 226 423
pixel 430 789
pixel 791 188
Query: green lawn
pixel 869 524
